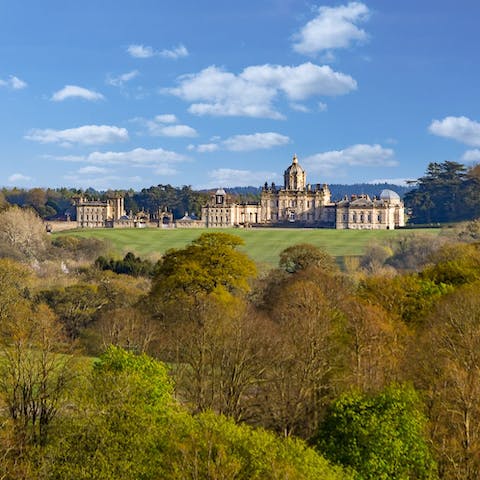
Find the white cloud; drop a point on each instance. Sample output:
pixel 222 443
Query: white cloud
pixel 461 129
pixel 227 177
pixel 471 156
pixel 85 135
pixel 64 158
pixel 251 93
pixel 255 141
pixel 137 157
pixel 177 131
pixel 104 182
pixel 175 52
pixel 14 83
pixel 74 91
pixel 18 178
pixel 322 107
pixel 356 155
pixel 91 169
pixel 165 170
pixel 166 118
pixel 161 161
pixel 333 27
pixel 244 143
pixel 299 107
pixel 205 147
pixel 164 126
pixel 142 51
pixel 123 78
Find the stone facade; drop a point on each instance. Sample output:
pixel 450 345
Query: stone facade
pixel 296 204
pixel 100 214
pixel 221 212
pixel 363 213
pixel 300 204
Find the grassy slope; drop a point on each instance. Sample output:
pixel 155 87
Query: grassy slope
pixel 263 245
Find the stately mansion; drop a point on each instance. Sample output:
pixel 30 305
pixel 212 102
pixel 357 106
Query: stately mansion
pixel 304 205
pixel 296 204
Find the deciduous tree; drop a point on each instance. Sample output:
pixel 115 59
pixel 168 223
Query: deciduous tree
pixel 381 437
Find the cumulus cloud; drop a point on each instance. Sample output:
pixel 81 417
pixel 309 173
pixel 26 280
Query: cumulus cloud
pixel 227 177
pixel 103 182
pixel 299 107
pixel 142 51
pixel 359 155
pixel 91 169
pixel 19 178
pixel 214 91
pixel 175 52
pixel 255 141
pixel 244 143
pixel 74 91
pixel 461 129
pixel 166 126
pixel 205 147
pixel 177 131
pixel 332 28
pixel 122 79
pixel 166 118
pixel 85 135
pixel 471 156
pixel 137 157
pixel 160 161
pixel 14 83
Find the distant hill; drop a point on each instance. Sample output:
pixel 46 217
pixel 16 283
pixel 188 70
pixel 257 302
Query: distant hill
pixel 338 190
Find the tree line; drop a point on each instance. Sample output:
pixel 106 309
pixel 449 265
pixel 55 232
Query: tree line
pixel 448 192
pixel 58 203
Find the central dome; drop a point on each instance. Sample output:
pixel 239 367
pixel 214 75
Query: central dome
pixel 390 196
pixel 294 176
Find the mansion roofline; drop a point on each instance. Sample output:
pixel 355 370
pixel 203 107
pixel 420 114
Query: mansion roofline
pixel 296 204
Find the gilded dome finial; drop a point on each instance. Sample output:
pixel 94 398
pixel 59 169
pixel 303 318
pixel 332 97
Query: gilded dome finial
pixel 295 159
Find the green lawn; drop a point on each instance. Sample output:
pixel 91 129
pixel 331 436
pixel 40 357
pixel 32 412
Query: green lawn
pixel 263 244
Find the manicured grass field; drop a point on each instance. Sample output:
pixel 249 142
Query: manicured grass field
pixel 262 244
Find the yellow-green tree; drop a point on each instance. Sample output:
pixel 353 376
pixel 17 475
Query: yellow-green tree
pixel 210 265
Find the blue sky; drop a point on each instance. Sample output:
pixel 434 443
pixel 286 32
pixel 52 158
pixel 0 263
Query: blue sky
pixel 123 94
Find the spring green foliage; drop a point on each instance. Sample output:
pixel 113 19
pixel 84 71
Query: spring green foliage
pixel 456 264
pixel 381 437
pixel 75 305
pixel 129 427
pixel 210 264
pixel 410 296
